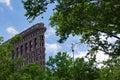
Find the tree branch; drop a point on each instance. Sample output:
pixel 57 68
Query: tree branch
pixel 107 33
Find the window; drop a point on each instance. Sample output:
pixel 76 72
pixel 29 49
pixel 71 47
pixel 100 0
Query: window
pixel 21 50
pixel 26 47
pixel 42 37
pixel 35 43
pixel 30 45
pixel 17 52
pixel 42 44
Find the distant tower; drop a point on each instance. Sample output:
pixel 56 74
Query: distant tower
pixel 32 45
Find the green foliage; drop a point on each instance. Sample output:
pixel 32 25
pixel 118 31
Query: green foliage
pixel 111 71
pixel 29 72
pixel 34 71
pixel 15 38
pixel 93 20
pixel 84 71
pixel 1 40
pixel 61 67
pixel 6 62
pixel 89 18
pixel 37 7
pixel 61 63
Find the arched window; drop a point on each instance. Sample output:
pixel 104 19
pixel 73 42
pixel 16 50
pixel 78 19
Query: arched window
pixel 30 45
pixel 26 47
pixel 21 50
pixel 35 43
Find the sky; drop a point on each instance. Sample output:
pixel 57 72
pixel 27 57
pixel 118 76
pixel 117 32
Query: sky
pixel 13 21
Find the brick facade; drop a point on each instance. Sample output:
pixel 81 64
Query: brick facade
pixel 32 46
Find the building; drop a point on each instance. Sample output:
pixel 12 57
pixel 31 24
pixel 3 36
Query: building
pixel 32 45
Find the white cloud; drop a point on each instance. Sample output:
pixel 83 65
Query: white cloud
pixel 79 55
pixel 50 32
pixel 11 30
pixel 99 57
pixel 109 39
pixel 7 2
pixel 113 39
pixel 52 48
pixel 103 36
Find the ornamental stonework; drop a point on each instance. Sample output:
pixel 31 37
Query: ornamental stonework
pixel 32 45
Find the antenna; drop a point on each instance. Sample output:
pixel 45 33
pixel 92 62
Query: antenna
pixel 72 48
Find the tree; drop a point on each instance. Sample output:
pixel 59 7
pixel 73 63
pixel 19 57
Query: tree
pixel 30 72
pixel 111 71
pixel 96 21
pixel 89 18
pixel 7 65
pixel 60 67
pixel 85 70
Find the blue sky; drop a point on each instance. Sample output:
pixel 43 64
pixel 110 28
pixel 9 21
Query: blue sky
pixel 13 21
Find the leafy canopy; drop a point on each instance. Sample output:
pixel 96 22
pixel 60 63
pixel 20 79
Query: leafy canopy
pixel 92 19
pixel 97 21
pixel 60 67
